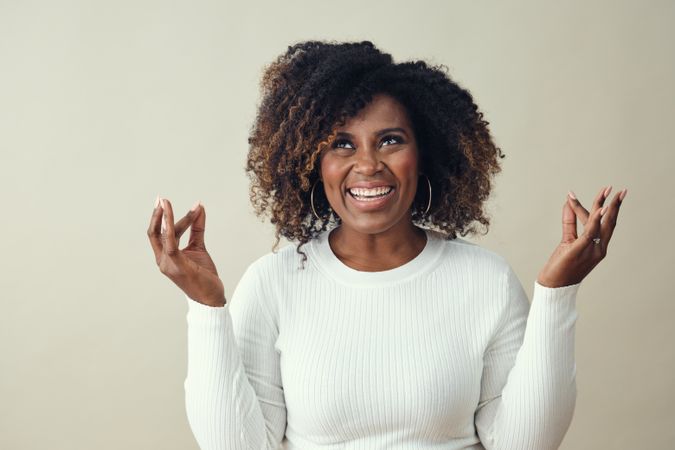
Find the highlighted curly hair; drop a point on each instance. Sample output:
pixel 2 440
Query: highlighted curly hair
pixel 315 86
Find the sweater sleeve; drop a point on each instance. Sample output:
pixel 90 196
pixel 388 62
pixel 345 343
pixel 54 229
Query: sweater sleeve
pixel 528 387
pixel 233 392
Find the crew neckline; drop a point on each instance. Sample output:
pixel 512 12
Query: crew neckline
pixel 333 267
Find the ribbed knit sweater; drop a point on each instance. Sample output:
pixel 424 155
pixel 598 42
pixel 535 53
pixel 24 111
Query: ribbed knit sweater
pixel 443 352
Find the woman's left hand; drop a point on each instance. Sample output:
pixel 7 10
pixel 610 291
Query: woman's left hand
pixel 575 257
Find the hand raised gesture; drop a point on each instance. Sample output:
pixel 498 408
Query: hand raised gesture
pixel 575 257
pixel 191 268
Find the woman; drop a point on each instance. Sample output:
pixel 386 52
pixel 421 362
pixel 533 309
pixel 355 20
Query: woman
pixel 381 329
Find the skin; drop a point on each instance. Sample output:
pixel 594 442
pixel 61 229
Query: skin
pixel 575 256
pixel 384 238
pixel 191 268
pixel 381 238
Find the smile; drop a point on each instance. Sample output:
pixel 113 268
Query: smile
pixel 369 195
pixel 371 199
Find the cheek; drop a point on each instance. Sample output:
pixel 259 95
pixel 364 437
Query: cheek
pixel 409 164
pixel 332 174
pixel 406 165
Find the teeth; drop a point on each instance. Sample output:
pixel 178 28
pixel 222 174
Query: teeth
pixel 375 192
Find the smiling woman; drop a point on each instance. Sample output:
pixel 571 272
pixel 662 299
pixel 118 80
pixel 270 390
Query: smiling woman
pixel 370 178
pixel 381 328
pixel 337 103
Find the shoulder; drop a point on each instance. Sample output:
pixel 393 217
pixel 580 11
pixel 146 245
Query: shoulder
pixel 262 281
pixel 487 275
pixel 285 259
pixel 461 251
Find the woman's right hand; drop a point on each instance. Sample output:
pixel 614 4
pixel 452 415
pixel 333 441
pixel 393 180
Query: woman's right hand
pixel 191 268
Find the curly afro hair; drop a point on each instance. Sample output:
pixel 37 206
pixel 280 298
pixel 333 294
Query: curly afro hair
pixel 315 86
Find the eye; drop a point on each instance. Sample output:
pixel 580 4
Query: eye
pixel 338 143
pixel 392 137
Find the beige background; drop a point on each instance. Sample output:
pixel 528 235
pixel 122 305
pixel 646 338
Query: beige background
pixel 104 105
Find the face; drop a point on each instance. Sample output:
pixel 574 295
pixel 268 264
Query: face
pixel 370 170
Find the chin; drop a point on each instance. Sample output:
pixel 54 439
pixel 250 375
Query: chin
pixel 372 225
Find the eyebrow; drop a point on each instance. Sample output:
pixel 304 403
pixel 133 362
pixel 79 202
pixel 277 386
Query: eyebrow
pixel 379 133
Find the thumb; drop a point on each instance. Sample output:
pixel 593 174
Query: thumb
pixel 197 228
pixel 569 223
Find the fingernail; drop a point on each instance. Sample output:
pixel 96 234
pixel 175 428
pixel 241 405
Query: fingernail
pixel 156 202
pixel 163 224
pixel 195 206
pixel 572 196
pixel 603 211
pixel 623 194
pixel 161 200
pixel 607 191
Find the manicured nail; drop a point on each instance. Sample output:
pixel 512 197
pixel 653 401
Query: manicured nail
pixel 156 202
pixel 195 206
pixel 603 211
pixel 607 191
pixel 622 195
pixel 161 200
pixel 572 196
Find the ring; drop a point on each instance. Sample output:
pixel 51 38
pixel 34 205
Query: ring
pixel 596 240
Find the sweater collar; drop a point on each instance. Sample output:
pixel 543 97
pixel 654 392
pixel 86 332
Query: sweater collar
pixel 328 263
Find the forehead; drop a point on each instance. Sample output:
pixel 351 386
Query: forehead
pixel 382 112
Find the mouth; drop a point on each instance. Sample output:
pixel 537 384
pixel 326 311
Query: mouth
pixel 370 194
pixel 369 198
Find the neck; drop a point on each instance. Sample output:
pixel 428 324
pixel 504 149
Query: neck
pixel 375 252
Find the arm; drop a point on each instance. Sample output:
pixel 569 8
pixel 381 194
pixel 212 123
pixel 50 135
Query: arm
pixel 233 392
pixel 528 391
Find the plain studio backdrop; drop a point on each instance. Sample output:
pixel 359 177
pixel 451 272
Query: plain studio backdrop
pixel 105 105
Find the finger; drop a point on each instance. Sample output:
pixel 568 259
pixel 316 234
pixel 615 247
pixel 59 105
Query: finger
pixel 609 219
pixel 154 230
pixel 569 223
pixel 591 230
pixel 600 198
pixel 169 233
pixel 186 220
pixel 198 228
pixel 581 212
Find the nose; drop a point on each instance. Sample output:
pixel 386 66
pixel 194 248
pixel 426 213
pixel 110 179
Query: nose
pixel 368 162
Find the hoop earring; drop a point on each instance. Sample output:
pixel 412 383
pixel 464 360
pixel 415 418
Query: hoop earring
pixel 311 200
pixel 426 211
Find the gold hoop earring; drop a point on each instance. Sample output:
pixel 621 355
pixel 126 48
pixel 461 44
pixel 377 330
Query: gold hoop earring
pixel 426 211
pixel 311 200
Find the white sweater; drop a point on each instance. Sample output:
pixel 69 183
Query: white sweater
pixel 443 352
